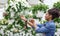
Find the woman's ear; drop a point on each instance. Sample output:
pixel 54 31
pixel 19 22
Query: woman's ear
pixel 51 16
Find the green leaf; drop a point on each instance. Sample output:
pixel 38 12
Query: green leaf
pixel 9 27
pixel 57 5
pixel 41 7
pixel 8 9
pixel 57 20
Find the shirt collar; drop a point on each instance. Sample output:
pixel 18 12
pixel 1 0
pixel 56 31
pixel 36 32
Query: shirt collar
pixel 51 21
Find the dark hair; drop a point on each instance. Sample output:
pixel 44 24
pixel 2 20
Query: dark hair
pixel 54 12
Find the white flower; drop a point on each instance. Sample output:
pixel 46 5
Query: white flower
pixel 40 14
pixel 24 3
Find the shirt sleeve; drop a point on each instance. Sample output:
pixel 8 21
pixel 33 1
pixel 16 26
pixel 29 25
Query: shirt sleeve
pixel 43 29
pixel 40 25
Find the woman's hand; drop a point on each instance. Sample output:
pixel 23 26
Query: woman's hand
pixel 32 21
pixel 23 18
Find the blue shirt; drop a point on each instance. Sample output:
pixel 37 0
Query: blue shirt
pixel 47 28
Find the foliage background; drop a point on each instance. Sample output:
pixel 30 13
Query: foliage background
pixel 14 9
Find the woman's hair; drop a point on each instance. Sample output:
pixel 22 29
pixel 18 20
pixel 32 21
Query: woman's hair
pixel 54 12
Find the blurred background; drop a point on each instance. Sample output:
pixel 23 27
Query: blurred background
pixel 12 25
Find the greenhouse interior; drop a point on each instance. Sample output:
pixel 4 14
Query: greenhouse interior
pixel 29 17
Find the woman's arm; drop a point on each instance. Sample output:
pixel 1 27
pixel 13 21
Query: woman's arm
pixel 39 25
pixel 37 29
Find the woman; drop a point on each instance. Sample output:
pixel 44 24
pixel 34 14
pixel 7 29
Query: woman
pixel 49 27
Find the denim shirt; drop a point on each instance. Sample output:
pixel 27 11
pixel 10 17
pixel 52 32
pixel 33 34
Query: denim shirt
pixel 47 28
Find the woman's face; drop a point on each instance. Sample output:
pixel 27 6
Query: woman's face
pixel 48 16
